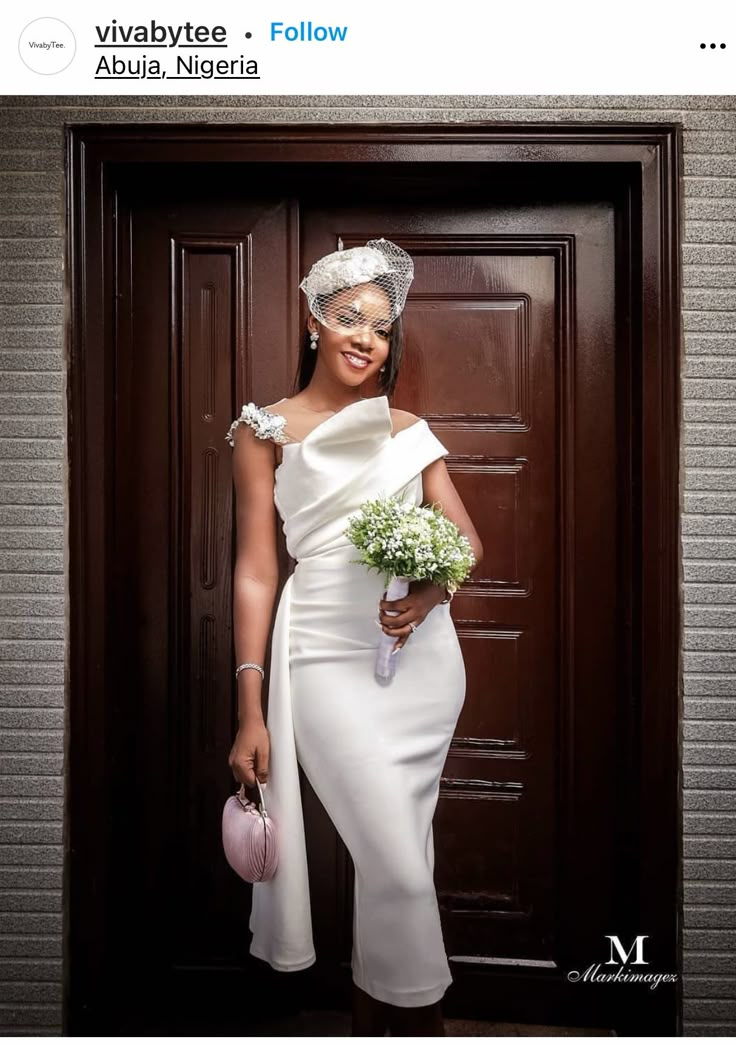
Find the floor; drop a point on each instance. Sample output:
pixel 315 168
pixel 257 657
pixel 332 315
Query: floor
pixel 337 1025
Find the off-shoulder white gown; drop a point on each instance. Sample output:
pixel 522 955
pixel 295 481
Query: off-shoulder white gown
pixel 372 753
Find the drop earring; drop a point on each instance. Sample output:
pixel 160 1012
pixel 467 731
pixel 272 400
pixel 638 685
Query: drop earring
pixel 314 338
pixel 381 369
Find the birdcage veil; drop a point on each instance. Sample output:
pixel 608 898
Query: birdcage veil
pixel 379 264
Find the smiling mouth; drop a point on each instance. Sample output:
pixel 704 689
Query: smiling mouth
pixel 356 361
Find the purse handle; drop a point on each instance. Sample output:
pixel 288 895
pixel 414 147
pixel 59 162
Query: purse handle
pixel 244 802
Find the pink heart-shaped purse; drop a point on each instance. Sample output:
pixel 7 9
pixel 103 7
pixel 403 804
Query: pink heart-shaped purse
pixel 249 837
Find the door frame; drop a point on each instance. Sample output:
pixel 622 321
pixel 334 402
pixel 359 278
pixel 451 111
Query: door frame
pixel 648 160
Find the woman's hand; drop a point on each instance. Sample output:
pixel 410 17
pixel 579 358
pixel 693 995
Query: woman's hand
pixel 416 605
pixel 250 753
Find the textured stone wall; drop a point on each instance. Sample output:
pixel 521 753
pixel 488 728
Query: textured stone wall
pixel 33 482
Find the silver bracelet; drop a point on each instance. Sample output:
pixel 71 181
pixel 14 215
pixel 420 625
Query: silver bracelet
pixel 249 664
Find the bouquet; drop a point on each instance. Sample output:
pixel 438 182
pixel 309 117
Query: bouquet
pixel 407 542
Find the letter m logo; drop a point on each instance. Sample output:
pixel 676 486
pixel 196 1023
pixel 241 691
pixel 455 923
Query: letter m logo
pixel 625 955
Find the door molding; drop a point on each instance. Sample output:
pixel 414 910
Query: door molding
pixel 646 159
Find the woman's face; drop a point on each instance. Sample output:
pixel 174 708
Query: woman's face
pixel 356 344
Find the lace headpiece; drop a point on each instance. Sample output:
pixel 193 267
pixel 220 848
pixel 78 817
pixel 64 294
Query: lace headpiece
pixel 379 275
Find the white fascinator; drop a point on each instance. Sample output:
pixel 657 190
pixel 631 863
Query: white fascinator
pixel 379 263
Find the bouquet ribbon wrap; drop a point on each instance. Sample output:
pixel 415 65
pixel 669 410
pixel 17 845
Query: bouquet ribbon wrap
pixel 397 588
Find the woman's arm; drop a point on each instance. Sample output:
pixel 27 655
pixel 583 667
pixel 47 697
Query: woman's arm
pixel 438 486
pixel 256 574
pixel 394 615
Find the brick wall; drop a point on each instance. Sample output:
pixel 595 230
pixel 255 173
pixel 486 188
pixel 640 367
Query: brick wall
pixel 33 583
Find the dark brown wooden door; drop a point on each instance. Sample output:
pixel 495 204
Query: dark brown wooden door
pixel 512 357
pixel 201 288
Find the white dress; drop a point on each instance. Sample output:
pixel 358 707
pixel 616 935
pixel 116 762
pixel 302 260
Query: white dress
pixel 372 753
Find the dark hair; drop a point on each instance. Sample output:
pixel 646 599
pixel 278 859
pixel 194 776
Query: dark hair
pixel 386 380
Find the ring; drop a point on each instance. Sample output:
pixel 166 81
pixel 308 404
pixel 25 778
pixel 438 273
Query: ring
pixel 412 626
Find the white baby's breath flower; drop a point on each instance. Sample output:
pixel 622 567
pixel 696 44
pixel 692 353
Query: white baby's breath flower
pixel 400 539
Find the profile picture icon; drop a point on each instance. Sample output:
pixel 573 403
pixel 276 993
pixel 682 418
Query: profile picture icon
pixel 47 46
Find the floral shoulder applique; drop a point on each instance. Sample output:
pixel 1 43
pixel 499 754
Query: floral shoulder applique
pixel 265 424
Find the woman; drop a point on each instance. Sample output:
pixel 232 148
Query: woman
pixel 373 754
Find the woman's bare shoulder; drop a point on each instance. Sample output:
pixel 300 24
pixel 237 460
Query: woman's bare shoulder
pixel 401 419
